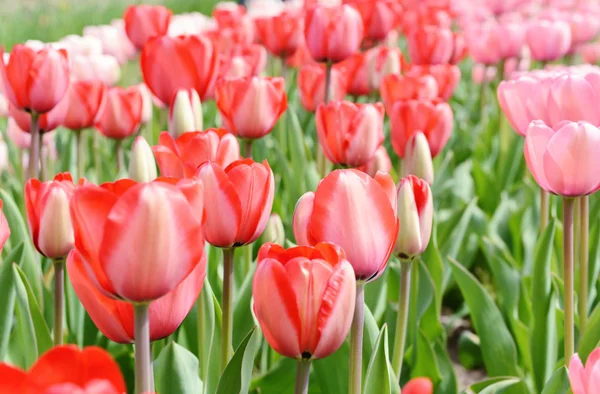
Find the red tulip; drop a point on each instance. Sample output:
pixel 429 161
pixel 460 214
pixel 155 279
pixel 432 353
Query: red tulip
pixel 233 17
pixel 47 206
pixel 66 369
pixel 460 51
pixel 122 113
pixel 244 62
pixel 281 34
pixel 138 242
pixel 354 211
pixel 170 64
pixel 382 61
pixel 380 162
pixel 114 318
pixel 181 158
pixel 46 122
pixel 301 57
pixel 250 106
pixel 4 229
pixel 447 77
pixel 304 298
pixel 84 103
pixel 144 22
pixel 431 117
pixel 422 15
pixel 355 67
pixel 350 133
pixel 418 386
pixel 430 45
pixel 332 33
pixel 35 80
pixel 396 87
pixel 311 85
pixel 379 16
pixel 237 200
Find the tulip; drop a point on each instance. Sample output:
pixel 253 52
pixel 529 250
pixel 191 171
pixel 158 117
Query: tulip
pixel 104 68
pixel 548 40
pixel 147 102
pixel 81 45
pixel 380 162
pixel 447 77
pixel 460 50
pixel 585 380
pixel 186 113
pixel 515 98
pixel 301 57
pixel 492 42
pixel 418 386
pixel 355 68
pixel 122 113
pixel 114 318
pixel 380 62
pixel 35 81
pixel 349 133
pixel 45 122
pixel 251 106
pixel 590 53
pixel 244 62
pixel 274 231
pixel 417 159
pixel 144 22
pixel 22 139
pixel 304 298
pixel 396 87
pixel 430 45
pixel 4 229
pixel 142 167
pixel 114 41
pixel 333 33
pixel 574 98
pixel 311 85
pixel 423 15
pixel 433 118
pixel 379 16
pixel 233 17
pixel 191 62
pixel 66 369
pixel 181 158
pixel 281 34
pixel 584 27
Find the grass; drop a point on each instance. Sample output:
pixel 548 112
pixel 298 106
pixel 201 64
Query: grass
pixel 50 20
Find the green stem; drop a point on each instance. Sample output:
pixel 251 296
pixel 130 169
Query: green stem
pixel 583 262
pixel 544 209
pixel 483 98
pixel 356 341
pixel 247 148
pixel 402 317
pixel 120 157
pixel 34 151
pixel 227 306
pixel 143 360
pixel 80 153
pixel 59 304
pixel 327 97
pixel 97 166
pixel 568 210
pixel 302 376
pixel 201 331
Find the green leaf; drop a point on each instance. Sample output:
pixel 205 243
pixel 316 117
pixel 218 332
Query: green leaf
pixel 543 331
pixel 176 371
pixel 558 382
pixel 494 385
pixel 497 345
pixel 280 379
pixel 7 306
pixel 331 373
pixel 380 377
pixel 448 383
pixel 238 373
pixel 370 336
pixel 242 313
pixel 590 339
pixel 425 360
pixel 33 331
pixel 452 243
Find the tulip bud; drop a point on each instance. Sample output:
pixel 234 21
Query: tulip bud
pixel 274 232
pixel 186 113
pixel 415 213
pixel 142 167
pixel 417 159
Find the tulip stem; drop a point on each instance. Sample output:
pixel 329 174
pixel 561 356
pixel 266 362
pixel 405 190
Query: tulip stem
pixel 97 167
pixel 59 294
pixel 327 97
pixel 568 210
pixel 544 209
pixel 80 153
pixel 34 153
pixel 402 318
pixel 583 262
pixel 143 360
pixel 302 376
pixel 247 148
pixel 483 98
pixel 227 306
pixel 120 157
pixel 356 341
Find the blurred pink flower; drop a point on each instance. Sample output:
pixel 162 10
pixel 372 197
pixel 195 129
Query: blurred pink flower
pixel 585 380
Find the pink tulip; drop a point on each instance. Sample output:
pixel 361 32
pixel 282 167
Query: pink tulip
pixel 304 298
pixel 355 69
pixel 350 133
pixel 584 27
pixel 333 33
pixel 46 122
pixel 517 99
pixel 415 215
pixel 382 61
pixel 144 22
pixel 585 380
pixel 329 215
pixel 379 16
pixel 22 139
pixel 396 87
pixel 574 98
pixel 380 162
pixel 251 106
pixel 447 77
pixel 311 85
pixel 564 160
pixel 122 114
pixel 590 53
pixel 244 62
pixel 491 42
pixel 104 68
pixel 480 73
pixel 114 41
pixel 548 40
pixel 430 45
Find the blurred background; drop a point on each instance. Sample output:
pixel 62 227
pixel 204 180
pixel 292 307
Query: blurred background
pixel 50 20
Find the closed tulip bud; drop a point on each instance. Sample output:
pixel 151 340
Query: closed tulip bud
pixel 430 45
pixel 381 62
pixel 398 87
pixel 4 229
pixel 143 22
pixel 380 162
pixel 122 114
pixel 47 206
pixel 185 113
pixel 415 214
pixel 304 299
pixel 548 40
pixel 142 167
pixel 418 386
pixel 417 159
pixel 447 77
pixel 274 232
pixel 311 85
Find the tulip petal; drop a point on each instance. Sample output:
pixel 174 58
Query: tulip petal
pixel 168 162
pixel 13 379
pixel 302 215
pixel 576 375
pixel 536 141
